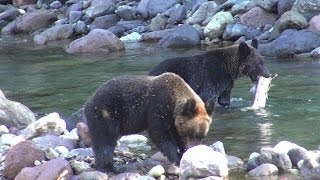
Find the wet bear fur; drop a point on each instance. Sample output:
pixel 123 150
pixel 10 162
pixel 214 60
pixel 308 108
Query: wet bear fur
pixel 212 74
pixel 174 116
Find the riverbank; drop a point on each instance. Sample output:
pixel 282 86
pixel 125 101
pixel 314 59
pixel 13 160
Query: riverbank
pixel 283 27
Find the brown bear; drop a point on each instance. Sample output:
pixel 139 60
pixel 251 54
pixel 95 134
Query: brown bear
pixel 173 114
pixel 212 74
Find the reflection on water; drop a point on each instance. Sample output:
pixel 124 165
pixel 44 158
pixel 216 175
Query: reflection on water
pixel 46 79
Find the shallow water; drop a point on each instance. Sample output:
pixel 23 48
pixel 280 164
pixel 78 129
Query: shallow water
pixel 46 79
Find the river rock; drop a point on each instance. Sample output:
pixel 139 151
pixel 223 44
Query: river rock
pixel 97 40
pixel 176 14
pixel 205 11
pixel 291 20
pixel 281 160
pixel 18 3
pixel 105 22
pixel 15 114
pixel 217 24
pixel 308 8
pixel 80 153
pixel 310 168
pixel 291 42
pixel 75 16
pixel 80 166
pixel 159 22
pixel 54 169
pixel 91 175
pixel 284 6
pixel 75 118
pixel 16 158
pixel 34 20
pixel 125 12
pixel 229 3
pixel 314 23
pixel 129 25
pixel 182 36
pixel 10 140
pixel 50 123
pixel 264 170
pixel 126 176
pixel 234 31
pixel 117 30
pixel 268 5
pixel 100 8
pixel 52 141
pixel 9 14
pixel 203 161
pixel 9 28
pixel 285 146
pixel 297 154
pixel 253 161
pixel 83 133
pixel 150 8
pixel 257 17
pixel 57 32
pixel 3 130
pixel 51 153
pixel 234 162
pixel 55 5
pixel 315 53
pixel 218 146
pixel 156 171
pixel 73 7
pixel 132 37
pixel 156 35
pixel 80 27
pixel 243 7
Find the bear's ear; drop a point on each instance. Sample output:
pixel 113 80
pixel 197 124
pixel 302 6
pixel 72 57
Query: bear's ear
pixel 244 51
pixel 254 43
pixel 210 105
pixel 190 107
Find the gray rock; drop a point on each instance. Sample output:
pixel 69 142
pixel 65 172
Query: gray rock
pixel 253 161
pixel 308 8
pixel 234 162
pixel 205 11
pixel 128 25
pixel 190 4
pixel 51 153
pixel 132 37
pixel 3 130
pixel 52 141
pixel 126 176
pixel 264 170
pixel 79 166
pixel 73 7
pixel 54 33
pixel 56 5
pixel 10 14
pixel 217 24
pixel 176 14
pixel 243 7
pixel 100 8
pixel 218 146
pixel 315 53
pixel 156 35
pixel 310 168
pixel 18 3
pixel 291 42
pixel 182 36
pixel 93 175
pixel 10 140
pixel 9 28
pixel 15 114
pixel 32 21
pixel 229 3
pixel 159 22
pixel 74 16
pixel 117 30
pixel 97 40
pixel 80 28
pixel 269 155
pixel 314 23
pixel 234 31
pixel 257 17
pixel 156 171
pixel 202 161
pixel 105 22
pixel 80 153
pixel 150 8
pixel 297 154
pixel 125 12
pixel 268 5
pixel 74 119
pixel 140 29
pixel 285 146
pixel 284 6
pixel 291 20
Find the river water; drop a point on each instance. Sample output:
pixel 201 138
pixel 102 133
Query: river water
pixel 46 79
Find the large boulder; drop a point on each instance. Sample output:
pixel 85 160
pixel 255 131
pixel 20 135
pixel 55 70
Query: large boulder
pixel 308 8
pixel 34 20
pixel 19 156
pixel 206 10
pixel 150 8
pixel 183 36
pixel 15 114
pixel 97 40
pixel 203 161
pixel 291 42
pixel 257 17
pixel 57 32
pixel 217 24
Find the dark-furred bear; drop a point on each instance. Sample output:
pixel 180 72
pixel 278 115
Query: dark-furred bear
pixel 173 114
pixel 211 75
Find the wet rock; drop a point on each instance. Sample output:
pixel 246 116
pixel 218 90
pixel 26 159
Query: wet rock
pixel 257 17
pixel 80 27
pixel 234 162
pixel 127 176
pixel 243 7
pixel 308 8
pixel 97 40
pixel 134 142
pixel 132 37
pixel 140 29
pixel 314 23
pixel 16 158
pixel 217 24
pixel 105 22
pixel 264 170
pixel 52 141
pixel 18 3
pixel 94 175
pixel 315 53
pixel 117 30
pixel 253 161
pixel 100 8
pixel 182 36
pixel 58 32
pixel 74 16
pixel 202 161
pixel 10 139
pixel 159 22
pixel 310 168
pixel 32 21
pixel 218 146
pixel 205 11
pixel 83 133
pixel 156 171
pixel 50 123
pixel 9 28
pixel 291 42
pixel 150 8
pixel 297 154
pixel 156 35
pixel 268 5
pixel 15 114
pixel 128 25
pixel 281 160
pixel 10 14
pixel 54 169
pixel 125 12
pixel 80 166
pixel 176 14
pixel 284 6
